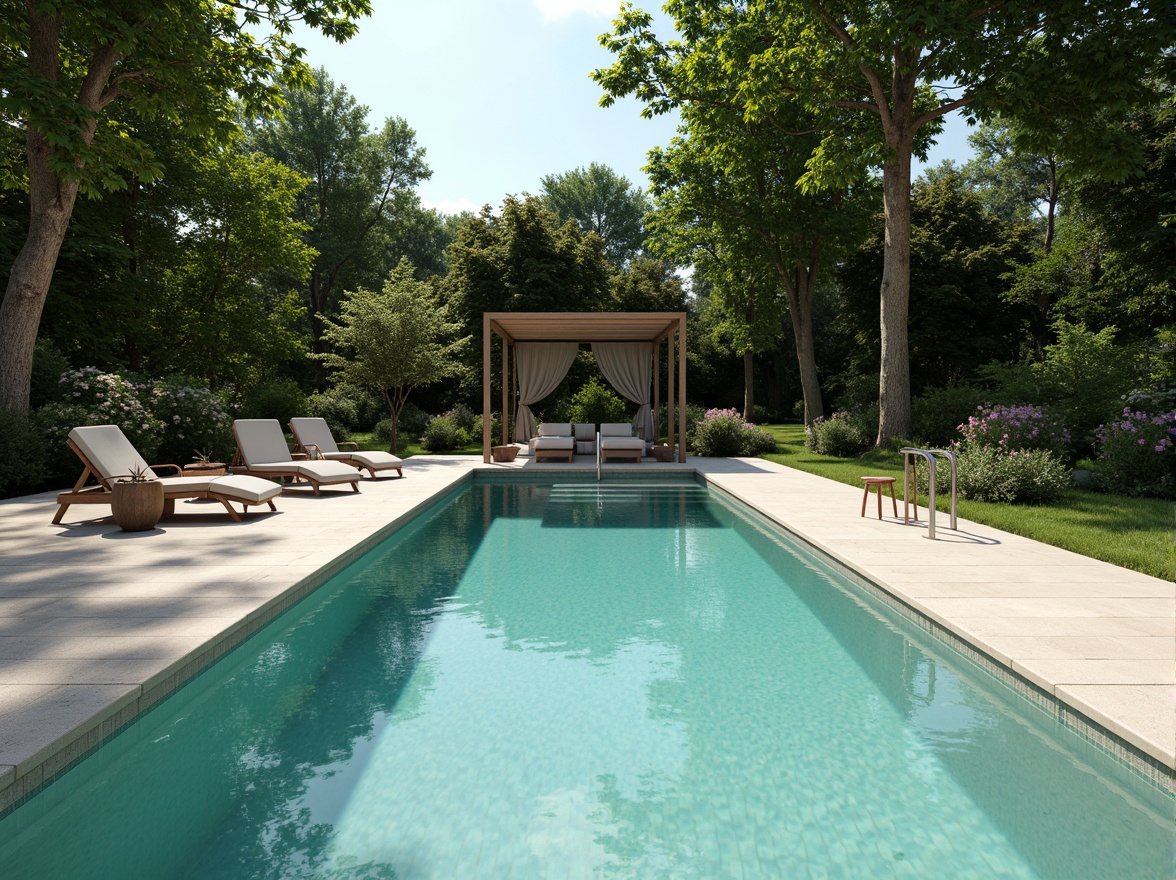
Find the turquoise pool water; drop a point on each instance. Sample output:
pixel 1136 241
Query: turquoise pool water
pixel 570 681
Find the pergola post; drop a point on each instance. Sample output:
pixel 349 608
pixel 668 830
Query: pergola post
pixel 486 388
pixel 656 390
pixel 505 389
pixel 682 388
pixel 670 389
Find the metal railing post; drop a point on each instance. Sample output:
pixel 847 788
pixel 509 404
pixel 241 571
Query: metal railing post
pixel 951 458
pixel 908 463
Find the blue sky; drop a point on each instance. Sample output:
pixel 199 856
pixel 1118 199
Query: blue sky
pixel 499 95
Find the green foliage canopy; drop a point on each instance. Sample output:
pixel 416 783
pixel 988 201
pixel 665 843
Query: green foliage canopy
pixel 392 341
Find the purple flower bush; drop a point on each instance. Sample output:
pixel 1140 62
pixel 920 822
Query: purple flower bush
pixel 723 433
pixel 1137 453
pixel 1021 427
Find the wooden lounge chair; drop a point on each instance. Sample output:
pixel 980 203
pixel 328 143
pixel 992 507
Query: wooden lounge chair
pixel 107 455
pixel 617 441
pixel 262 452
pixel 314 437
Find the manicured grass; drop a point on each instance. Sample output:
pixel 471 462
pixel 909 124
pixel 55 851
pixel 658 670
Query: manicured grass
pixel 1135 533
pixel 367 441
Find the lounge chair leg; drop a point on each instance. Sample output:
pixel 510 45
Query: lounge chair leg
pixel 236 516
pixel 271 504
pixel 60 513
pixel 169 507
pixel 400 472
pixel 355 487
pixel 316 487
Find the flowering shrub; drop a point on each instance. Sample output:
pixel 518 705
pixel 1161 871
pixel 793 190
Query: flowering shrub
pixel 1137 453
pixel 722 432
pixel 842 435
pixel 1009 428
pixel 193 418
pixel 92 397
pixel 1020 476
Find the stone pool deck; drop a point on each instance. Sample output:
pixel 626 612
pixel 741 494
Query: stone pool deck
pixel 96 624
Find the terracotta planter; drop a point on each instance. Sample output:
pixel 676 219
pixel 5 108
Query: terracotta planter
pixel 137 506
pixel 205 469
pixel 504 453
pixel 663 453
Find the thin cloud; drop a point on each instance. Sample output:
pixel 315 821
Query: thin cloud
pixel 554 10
pixel 453 206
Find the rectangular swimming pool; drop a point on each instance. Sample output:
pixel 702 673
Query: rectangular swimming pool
pixel 577 679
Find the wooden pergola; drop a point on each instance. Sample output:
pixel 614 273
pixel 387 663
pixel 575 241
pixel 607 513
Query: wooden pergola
pixel 584 328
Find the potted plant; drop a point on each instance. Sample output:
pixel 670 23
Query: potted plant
pixel 202 467
pixel 137 501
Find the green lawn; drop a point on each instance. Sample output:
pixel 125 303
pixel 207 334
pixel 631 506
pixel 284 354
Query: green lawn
pixel 1132 532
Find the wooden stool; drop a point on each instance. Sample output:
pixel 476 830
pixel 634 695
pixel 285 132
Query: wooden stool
pixel 879 482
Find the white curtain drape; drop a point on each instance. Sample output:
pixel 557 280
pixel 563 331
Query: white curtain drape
pixel 539 367
pixel 628 368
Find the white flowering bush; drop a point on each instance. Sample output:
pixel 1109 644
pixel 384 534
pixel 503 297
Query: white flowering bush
pixel 193 418
pixel 90 396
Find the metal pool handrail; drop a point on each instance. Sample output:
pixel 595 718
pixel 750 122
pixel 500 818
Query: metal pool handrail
pixel 598 456
pixel 908 465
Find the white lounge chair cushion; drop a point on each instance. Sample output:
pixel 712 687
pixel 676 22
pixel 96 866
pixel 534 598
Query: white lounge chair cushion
pixel 321 471
pixel 261 441
pixel 555 429
pixel 374 459
pixel 240 487
pixel 612 444
pixel 616 429
pixel 236 487
pixel 314 432
pixel 549 443
pixel 108 449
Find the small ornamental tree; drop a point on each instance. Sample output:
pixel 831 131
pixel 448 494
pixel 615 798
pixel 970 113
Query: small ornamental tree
pixel 392 341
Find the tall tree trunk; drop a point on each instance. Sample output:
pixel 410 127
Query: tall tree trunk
pixel 894 375
pixel 799 283
pixel 51 204
pixel 748 386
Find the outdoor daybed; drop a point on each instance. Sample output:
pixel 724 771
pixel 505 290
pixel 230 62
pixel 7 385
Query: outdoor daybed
pixel 554 440
pixel 617 441
pixel 108 455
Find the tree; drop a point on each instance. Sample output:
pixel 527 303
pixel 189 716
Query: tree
pixel 961 259
pixel 604 202
pixel 220 320
pixel 724 191
pixel 63 64
pixel 524 260
pixel 874 72
pixel 360 182
pixel 392 341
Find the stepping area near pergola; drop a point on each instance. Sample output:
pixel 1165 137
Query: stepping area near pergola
pixel 579 328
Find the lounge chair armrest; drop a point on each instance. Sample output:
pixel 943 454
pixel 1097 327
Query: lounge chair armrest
pixel 310 450
pixel 179 470
pixel 354 446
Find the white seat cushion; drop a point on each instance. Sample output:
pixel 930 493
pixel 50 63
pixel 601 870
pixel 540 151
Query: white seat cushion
pixel 616 429
pixel 240 487
pixel 614 443
pixel 548 443
pixel 327 471
pixel 374 459
pixel 555 429
pixel 108 449
pixel 178 485
pixel 261 441
pixel 314 432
